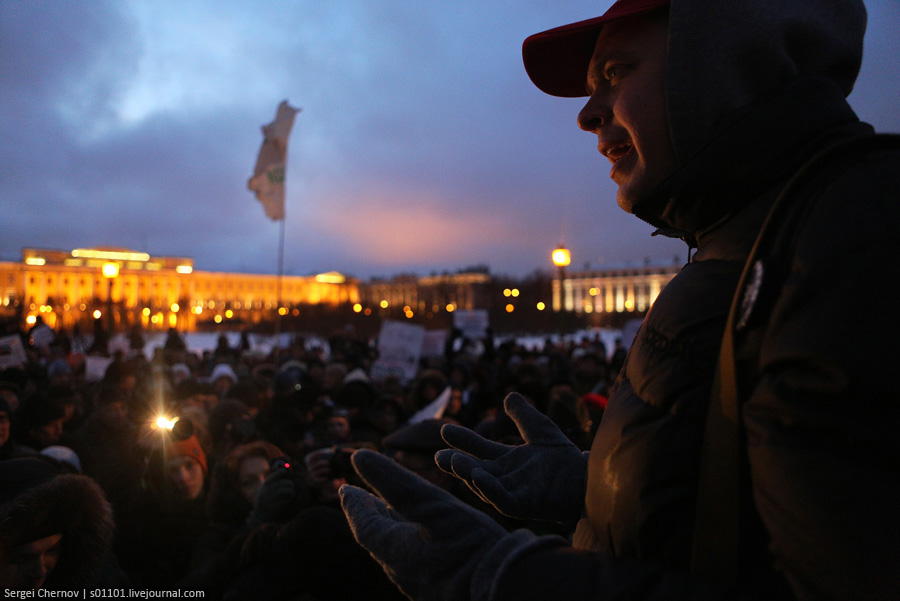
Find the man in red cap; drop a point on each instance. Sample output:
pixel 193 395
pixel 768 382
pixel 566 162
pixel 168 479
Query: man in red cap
pixel 743 453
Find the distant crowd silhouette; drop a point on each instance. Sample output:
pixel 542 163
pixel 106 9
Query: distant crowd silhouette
pixel 220 471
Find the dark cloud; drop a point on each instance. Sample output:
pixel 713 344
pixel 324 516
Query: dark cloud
pixel 422 146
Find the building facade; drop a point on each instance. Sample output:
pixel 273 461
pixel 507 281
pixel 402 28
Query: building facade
pixel 125 288
pixel 623 289
pixel 428 295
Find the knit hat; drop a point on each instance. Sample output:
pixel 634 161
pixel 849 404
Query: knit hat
pixel 223 370
pixel 189 447
pixel 64 455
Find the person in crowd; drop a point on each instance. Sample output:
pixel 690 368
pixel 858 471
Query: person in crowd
pixel 9 449
pixel 56 529
pixel 230 425
pixel 107 445
pixel 457 408
pixel 223 353
pixel 174 343
pixel 41 419
pixel 428 385
pixel 67 458
pixel 191 392
pixel 333 379
pixel 233 496
pixel 11 393
pixel 160 524
pixel 337 427
pixel 617 359
pixel 186 469
pixel 726 125
pixel 222 379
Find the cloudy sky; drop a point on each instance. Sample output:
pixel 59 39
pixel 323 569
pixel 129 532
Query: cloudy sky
pixel 422 146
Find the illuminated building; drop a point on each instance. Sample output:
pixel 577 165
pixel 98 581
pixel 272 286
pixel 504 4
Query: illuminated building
pixel 429 294
pixel 69 288
pixel 614 289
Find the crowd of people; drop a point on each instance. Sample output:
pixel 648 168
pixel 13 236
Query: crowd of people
pixel 220 471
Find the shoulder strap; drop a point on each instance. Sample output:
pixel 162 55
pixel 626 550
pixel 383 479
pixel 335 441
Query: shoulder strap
pixel 716 542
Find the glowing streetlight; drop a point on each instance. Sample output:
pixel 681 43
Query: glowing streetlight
pixel 110 271
pixel 561 258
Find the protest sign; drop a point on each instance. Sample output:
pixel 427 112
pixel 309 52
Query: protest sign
pixel 399 349
pixel 473 324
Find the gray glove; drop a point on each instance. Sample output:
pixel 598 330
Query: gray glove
pixel 430 544
pixel 273 497
pixel 543 479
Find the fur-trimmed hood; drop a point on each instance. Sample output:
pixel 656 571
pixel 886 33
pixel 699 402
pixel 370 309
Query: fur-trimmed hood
pixel 38 501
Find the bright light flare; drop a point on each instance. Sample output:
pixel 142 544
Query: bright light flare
pixel 165 423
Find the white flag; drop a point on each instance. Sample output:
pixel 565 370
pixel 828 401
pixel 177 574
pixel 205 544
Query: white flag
pixel 268 177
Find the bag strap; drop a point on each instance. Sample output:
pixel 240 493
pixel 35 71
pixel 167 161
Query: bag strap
pixel 716 544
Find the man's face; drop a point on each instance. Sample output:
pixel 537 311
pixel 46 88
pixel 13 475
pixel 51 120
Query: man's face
pixel 114 415
pixel 11 398
pixel 49 433
pixel 627 107
pixel 338 427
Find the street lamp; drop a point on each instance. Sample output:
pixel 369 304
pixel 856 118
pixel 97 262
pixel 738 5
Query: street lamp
pixel 561 258
pixel 110 272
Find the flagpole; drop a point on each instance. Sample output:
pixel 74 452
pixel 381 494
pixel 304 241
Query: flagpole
pixel 280 274
pixel 268 185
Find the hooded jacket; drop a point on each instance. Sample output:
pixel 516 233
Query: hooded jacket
pixel 37 500
pixel 754 90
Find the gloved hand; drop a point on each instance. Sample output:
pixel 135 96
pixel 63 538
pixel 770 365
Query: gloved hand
pixel 544 479
pixel 273 497
pixel 430 544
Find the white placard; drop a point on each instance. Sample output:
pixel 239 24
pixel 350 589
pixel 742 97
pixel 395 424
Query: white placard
pixel 434 342
pixel 95 367
pixel 473 324
pixel 399 349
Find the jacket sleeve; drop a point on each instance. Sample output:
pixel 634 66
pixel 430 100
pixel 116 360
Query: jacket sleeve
pixel 822 420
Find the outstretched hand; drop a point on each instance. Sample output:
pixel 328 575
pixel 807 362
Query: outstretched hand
pixel 543 479
pixel 429 543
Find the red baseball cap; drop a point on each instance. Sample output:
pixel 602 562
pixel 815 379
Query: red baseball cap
pixel 557 59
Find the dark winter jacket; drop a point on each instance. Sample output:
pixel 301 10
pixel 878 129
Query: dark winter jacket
pixel 819 517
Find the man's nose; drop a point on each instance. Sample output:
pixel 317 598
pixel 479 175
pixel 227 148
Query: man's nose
pixel 595 114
